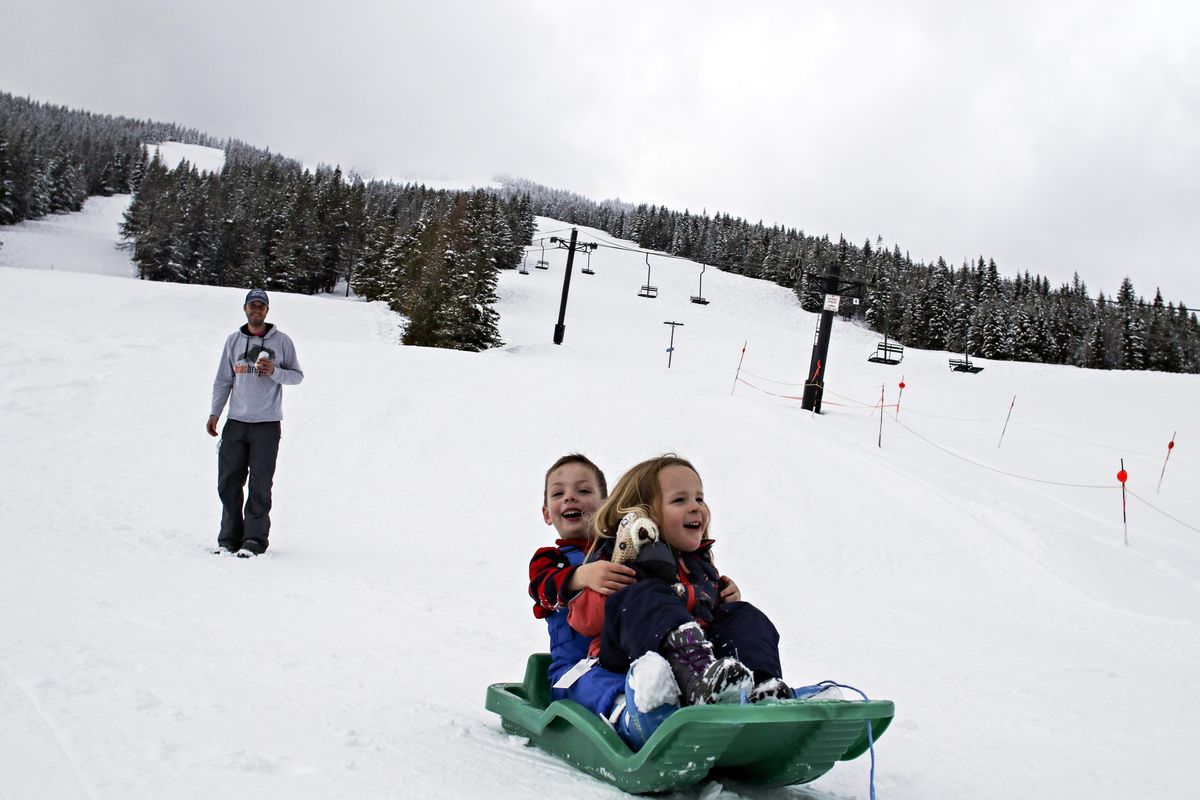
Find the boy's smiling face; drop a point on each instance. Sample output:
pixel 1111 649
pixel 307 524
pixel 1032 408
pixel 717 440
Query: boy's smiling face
pixel 572 496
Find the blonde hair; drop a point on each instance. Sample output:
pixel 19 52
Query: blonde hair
pixel 639 491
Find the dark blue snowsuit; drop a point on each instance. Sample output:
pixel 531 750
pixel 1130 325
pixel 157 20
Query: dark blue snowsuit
pixel 638 618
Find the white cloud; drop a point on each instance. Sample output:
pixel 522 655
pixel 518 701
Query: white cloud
pixel 1051 136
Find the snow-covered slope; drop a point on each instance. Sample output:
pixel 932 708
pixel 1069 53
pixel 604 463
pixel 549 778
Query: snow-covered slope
pixel 205 159
pixel 983 588
pixel 82 242
pixel 87 241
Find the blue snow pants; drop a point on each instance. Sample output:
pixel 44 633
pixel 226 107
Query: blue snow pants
pixel 597 689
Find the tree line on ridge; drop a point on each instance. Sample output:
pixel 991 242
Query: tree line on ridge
pixel 971 307
pixel 434 255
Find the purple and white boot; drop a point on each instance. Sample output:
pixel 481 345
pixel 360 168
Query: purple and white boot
pixel 702 678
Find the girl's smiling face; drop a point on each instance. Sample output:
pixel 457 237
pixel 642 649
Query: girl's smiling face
pixel 683 515
pixel 572 496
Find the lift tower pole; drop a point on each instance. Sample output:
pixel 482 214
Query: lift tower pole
pixel 561 328
pixel 814 385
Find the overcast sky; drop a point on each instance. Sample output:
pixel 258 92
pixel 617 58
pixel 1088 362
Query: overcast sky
pixel 1051 136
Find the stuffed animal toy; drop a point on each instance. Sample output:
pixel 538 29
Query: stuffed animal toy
pixel 633 533
pixel 637 544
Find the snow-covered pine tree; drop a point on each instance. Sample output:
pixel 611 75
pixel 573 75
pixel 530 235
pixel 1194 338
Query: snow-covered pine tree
pixel 298 266
pixel 1132 326
pixel 936 302
pixel 483 230
pixel 7 188
pixel 369 278
pixel 149 223
pixel 1027 335
pixel 1097 353
pixel 772 265
pixel 431 318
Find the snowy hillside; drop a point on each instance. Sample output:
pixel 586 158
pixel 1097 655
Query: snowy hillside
pixel 205 159
pixel 985 589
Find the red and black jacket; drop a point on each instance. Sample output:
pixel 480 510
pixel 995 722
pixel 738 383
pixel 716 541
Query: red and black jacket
pixel 549 571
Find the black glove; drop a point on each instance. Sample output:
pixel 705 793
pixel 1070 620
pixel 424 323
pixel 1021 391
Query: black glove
pixel 655 560
pixel 706 600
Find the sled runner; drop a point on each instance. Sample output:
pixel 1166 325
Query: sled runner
pixel 772 744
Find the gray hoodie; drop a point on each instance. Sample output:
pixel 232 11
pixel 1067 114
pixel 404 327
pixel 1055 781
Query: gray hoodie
pixel 254 397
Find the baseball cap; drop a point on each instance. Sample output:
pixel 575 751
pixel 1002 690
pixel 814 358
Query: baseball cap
pixel 259 295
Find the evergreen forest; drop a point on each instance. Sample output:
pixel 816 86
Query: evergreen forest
pixel 266 220
pixel 434 255
pixel 971 307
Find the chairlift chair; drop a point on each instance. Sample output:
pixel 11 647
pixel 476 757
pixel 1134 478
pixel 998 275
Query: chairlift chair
pixel 699 298
pixel 964 365
pixel 588 269
pixel 543 263
pixel 887 352
pixel 648 290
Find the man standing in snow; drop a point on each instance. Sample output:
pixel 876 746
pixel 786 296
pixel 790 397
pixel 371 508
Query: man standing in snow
pixel 257 361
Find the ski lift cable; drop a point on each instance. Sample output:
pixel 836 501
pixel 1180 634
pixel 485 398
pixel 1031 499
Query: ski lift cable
pixel 1190 308
pixel 693 259
pixel 542 234
pixel 660 254
pixel 539 239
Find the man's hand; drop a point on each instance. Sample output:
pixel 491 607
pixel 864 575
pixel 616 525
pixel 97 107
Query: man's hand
pixel 603 576
pixel 265 366
pixel 730 593
pixel 212 426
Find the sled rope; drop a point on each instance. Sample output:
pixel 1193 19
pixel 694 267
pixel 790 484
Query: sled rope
pixel 870 734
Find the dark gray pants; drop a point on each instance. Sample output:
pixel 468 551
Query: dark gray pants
pixel 246 447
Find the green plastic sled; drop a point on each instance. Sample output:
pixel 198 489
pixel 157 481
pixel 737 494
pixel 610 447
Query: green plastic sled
pixel 771 744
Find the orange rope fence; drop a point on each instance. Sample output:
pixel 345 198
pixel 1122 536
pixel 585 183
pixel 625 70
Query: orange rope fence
pixel 879 405
pixel 1145 502
pixel 895 418
pixel 981 465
